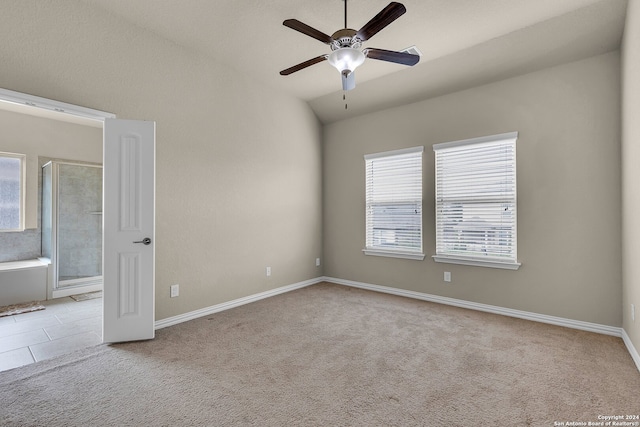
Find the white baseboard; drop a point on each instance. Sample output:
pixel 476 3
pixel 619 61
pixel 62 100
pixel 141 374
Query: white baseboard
pixel 632 350
pixel 170 321
pixel 543 318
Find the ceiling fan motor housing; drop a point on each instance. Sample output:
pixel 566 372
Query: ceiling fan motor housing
pixel 346 37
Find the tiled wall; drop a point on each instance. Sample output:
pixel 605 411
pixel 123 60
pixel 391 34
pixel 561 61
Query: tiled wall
pixel 20 245
pixel 79 221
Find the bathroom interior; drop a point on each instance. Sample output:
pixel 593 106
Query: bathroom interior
pixel 59 252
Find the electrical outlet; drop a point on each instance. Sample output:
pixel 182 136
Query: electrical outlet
pixel 317 262
pixel 633 313
pixel 268 271
pixel 175 290
pixel 447 276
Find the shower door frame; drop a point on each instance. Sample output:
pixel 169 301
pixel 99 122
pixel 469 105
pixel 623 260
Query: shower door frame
pixel 89 284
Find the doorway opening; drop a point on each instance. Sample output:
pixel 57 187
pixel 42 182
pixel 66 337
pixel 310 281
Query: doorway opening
pixel 62 197
pixel 128 219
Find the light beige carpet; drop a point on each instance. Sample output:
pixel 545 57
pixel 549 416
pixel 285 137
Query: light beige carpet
pixel 329 355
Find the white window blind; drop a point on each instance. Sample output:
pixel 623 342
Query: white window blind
pixel 394 203
pixel 12 173
pixel 476 201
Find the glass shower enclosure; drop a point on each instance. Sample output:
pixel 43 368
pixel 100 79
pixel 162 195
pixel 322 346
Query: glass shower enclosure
pixel 72 225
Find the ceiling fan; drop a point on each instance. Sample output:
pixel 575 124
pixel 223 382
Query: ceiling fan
pixel 345 45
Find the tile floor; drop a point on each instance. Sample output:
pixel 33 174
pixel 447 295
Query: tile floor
pixel 64 326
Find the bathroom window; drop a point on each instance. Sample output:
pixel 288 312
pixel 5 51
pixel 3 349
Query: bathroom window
pixel 12 179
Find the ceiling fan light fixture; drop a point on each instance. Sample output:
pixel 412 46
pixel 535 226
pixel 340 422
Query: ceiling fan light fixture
pixel 346 59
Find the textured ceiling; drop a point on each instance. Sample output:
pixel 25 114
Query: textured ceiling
pixel 464 42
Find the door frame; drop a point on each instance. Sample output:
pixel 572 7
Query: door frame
pixel 52 109
pixel 57 110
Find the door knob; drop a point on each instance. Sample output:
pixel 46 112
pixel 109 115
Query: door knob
pixel 145 241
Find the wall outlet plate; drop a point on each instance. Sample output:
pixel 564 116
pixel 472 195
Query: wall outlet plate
pixel 447 276
pixel 317 262
pixel 175 290
pixel 268 271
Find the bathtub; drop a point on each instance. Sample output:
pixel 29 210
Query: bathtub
pixel 23 281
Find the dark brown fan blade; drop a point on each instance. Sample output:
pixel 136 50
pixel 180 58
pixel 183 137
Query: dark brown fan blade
pixel 403 58
pixel 305 29
pixel 303 65
pixel 386 16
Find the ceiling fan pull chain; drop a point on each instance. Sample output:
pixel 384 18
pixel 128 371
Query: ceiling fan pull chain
pixel 344 98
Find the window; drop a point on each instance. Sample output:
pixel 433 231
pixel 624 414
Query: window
pixel 394 203
pixel 476 201
pixel 12 174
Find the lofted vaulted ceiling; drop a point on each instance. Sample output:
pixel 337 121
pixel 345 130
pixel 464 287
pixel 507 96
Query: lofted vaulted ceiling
pixel 464 42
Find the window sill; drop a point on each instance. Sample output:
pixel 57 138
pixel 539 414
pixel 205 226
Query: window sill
pixel 13 230
pixel 394 254
pixel 476 262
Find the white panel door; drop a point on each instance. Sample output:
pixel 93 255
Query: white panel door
pixel 129 230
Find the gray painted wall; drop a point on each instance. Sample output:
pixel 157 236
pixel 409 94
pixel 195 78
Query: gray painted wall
pixel 568 171
pixel 631 172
